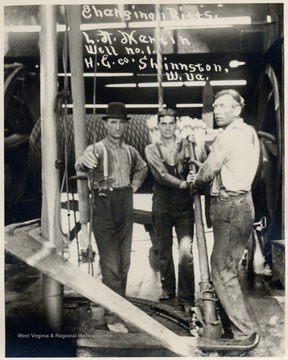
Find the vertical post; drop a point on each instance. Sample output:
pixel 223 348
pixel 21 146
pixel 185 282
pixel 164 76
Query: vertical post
pixel 52 290
pixel 207 99
pixel 78 95
pixel 159 57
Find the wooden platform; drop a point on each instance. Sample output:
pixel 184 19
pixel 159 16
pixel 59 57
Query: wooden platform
pixel 27 244
pixel 267 310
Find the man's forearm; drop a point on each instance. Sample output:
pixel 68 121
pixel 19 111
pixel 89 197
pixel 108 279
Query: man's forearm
pixel 139 177
pixel 166 179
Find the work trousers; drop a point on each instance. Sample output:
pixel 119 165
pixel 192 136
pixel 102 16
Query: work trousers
pixel 232 220
pixel 112 228
pixel 174 208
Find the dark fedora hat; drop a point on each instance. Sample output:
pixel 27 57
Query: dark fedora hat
pixel 116 110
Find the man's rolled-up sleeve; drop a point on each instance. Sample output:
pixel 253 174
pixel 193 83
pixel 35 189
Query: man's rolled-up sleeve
pixel 79 163
pixel 212 165
pixel 140 171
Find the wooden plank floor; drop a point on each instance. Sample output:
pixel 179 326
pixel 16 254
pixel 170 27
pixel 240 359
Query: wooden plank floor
pixel 23 303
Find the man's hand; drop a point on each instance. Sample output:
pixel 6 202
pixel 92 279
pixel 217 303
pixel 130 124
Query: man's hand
pixel 191 138
pixel 90 160
pixel 184 185
pixel 191 177
pixel 197 163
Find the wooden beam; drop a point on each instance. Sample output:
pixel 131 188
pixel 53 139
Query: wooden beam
pixel 28 245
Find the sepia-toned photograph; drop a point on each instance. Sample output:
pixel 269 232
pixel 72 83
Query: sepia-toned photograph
pixel 143 179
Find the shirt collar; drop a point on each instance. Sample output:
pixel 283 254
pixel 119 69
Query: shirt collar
pixel 178 141
pixel 235 123
pixel 112 145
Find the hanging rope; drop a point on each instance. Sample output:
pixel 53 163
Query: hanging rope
pixel 87 255
pixel 159 57
pixel 63 98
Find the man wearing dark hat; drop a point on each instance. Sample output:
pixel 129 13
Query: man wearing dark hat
pixel 116 172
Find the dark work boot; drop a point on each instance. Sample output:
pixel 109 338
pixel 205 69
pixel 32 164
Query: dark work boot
pixel 166 295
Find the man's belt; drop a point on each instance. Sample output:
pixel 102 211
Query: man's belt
pixel 225 195
pixel 121 188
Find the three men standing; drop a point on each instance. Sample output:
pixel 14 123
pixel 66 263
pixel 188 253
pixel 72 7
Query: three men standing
pixel 229 168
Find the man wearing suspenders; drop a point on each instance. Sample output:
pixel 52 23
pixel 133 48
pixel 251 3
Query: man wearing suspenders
pixel 116 172
pixel 172 207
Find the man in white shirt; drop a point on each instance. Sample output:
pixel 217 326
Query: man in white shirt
pixel 230 169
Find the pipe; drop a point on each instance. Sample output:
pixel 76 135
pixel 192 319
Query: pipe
pixel 78 95
pixel 52 290
pixel 212 325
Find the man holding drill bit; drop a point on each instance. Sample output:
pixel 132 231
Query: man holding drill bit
pixel 172 207
pixel 116 172
pixel 230 169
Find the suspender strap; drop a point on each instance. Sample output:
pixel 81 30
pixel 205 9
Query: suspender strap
pixel 160 151
pixel 105 162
